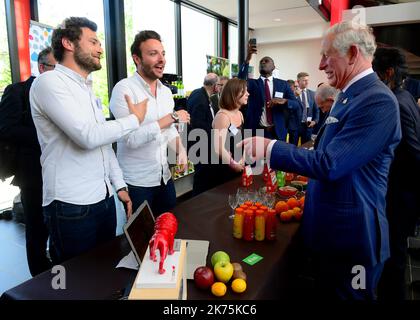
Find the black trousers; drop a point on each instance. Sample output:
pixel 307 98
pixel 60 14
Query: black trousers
pixel 36 230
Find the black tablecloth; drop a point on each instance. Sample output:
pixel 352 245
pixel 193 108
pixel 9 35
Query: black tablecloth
pixel 205 217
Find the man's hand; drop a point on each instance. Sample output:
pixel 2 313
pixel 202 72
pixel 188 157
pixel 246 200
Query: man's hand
pixel 311 124
pixel 255 147
pixel 138 109
pixel 125 199
pixel 277 101
pixel 183 160
pixel 252 49
pixel 184 116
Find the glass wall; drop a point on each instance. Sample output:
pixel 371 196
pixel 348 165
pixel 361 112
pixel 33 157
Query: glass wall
pixel 233 43
pixel 52 13
pixel 157 15
pixel 198 40
pixel 5 73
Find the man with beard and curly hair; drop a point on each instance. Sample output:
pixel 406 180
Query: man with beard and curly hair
pixel 79 167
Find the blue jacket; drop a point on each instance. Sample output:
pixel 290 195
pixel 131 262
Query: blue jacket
pixel 345 201
pixel 256 102
pixel 295 117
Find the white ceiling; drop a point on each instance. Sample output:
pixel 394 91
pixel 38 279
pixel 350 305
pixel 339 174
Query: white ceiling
pixel 263 12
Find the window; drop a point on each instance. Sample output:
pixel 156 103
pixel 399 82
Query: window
pixel 156 15
pixel 5 73
pixel 52 12
pixel 233 44
pixel 199 39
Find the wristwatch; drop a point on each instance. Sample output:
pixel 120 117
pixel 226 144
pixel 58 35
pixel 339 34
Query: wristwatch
pixel 175 116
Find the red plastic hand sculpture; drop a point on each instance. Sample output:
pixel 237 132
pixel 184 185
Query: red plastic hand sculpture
pixel 166 227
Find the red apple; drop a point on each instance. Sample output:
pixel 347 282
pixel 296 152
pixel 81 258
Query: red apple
pixel 203 277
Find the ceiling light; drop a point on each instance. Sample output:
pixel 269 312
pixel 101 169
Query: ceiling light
pixel 277 19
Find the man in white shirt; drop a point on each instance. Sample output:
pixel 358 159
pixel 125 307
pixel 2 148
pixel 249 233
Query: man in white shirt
pixel 142 154
pixel 78 163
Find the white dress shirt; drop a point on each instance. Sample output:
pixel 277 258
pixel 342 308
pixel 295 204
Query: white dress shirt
pixel 78 162
pixel 263 119
pixel 142 154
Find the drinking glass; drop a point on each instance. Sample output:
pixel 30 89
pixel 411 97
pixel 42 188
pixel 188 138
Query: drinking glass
pixel 233 203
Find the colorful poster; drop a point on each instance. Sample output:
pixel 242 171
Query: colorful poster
pixel 39 38
pixel 219 66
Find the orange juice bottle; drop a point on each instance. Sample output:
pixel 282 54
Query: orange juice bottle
pixel 259 225
pixel 238 222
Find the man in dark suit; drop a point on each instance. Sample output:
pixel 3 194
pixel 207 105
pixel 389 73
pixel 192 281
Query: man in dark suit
pixel 18 128
pixel 214 98
pixel 270 100
pixel 403 196
pixel 324 98
pixel 303 119
pixel 344 226
pixel 202 114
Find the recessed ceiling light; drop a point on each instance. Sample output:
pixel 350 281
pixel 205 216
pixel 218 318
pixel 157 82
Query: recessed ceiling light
pixel 277 19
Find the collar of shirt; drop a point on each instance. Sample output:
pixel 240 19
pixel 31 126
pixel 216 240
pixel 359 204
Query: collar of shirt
pixel 358 77
pixel 270 78
pixel 145 84
pixel 74 75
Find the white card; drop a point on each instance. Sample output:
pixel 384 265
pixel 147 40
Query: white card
pixel 233 129
pixel 278 95
pixel 309 119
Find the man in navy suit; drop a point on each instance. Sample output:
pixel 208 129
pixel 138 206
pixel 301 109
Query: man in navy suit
pixel 270 100
pixel 344 226
pixel 303 119
pixel 324 98
pixel 403 196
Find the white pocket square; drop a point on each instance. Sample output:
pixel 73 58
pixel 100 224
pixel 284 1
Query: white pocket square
pixel 331 120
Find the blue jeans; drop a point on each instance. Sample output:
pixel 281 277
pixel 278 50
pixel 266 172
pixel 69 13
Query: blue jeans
pixel 160 198
pixel 75 229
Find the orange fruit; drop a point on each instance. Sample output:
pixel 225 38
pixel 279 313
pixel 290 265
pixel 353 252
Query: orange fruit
pixel 286 215
pixel 298 215
pixel 239 285
pixel 281 206
pixel 302 201
pixel 292 203
pixel 218 289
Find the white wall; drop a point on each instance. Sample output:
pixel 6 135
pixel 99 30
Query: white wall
pixel 293 57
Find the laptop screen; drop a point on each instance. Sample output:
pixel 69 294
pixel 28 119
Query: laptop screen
pixel 139 230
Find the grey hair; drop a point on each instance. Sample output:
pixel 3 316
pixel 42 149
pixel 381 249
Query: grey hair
pixel 43 55
pixel 210 79
pixel 325 91
pixel 348 33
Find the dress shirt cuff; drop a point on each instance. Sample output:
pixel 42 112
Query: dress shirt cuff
pixel 268 153
pixel 120 184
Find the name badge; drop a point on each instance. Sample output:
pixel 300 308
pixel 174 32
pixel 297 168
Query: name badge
pixel 278 95
pixel 233 129
pixel 99 103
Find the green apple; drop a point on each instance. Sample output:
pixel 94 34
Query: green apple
pixel 223 271
pixel 219 256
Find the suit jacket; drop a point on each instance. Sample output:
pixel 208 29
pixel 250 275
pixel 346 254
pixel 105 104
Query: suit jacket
pixel 256 102
pixel 405 169
pixel 345 199
pixel 295 117
pixel 18 127
pixel 198 106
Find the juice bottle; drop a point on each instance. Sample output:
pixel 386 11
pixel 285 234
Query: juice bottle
pixel 238 222
pixel 270 225
pixel 259 225
pixel 248 227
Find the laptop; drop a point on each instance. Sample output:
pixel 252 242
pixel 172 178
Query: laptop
pixel 139 229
